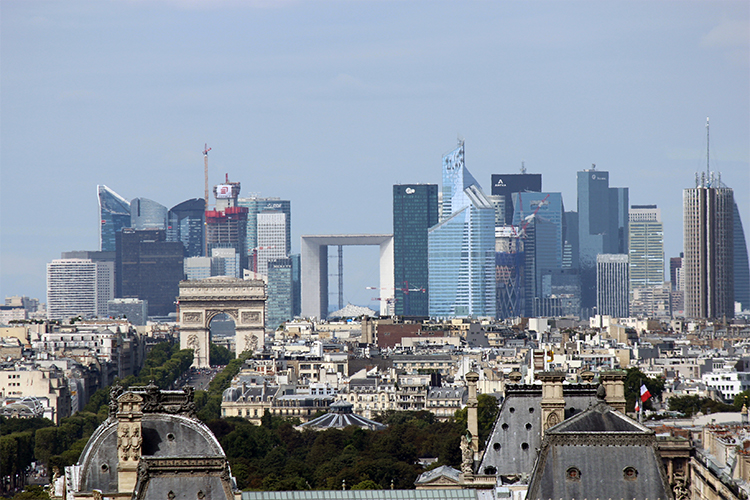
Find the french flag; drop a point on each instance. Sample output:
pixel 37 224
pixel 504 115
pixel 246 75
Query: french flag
pixel 637 406
pixel 644 393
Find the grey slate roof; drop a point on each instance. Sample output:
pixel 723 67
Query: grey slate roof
pixel 600 453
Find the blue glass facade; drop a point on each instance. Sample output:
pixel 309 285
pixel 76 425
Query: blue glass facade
pixel 741 267
pixel 256 206
pixel 185 223
pixel 549 207
pixel 280 291
pixel 147 214
pixel 602 226
pixel 415 210
pixel 461 247
pixel 114 214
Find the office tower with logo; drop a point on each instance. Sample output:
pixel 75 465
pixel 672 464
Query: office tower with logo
pixel 602 227
pixel 271 239
pixel 461 247
pixel 612 285
pixel 415 211
pixel 279 305
pixel 114 214
pixel 148 267
pixel 255 205
pixel 185 223
pixel 646 247
pixel 510 282
pixel 147 214
pixel 79 287
pixel 708 266
pixel 503 187
pixel 226 225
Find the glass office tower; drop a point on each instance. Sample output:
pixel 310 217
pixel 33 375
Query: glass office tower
pixel 461 247
pixel 147 214
pixel 646 243
pixel 415 211
pixel 280 291
pixel 602 227
pixel 741 267
pixel 256 205
pixel 503 187
pixel 114 214
pixel 185 223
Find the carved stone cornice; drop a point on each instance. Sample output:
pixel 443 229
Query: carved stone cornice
pixel 601 439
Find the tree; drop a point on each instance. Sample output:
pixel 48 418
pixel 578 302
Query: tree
pixel 633 382
pixel 487 409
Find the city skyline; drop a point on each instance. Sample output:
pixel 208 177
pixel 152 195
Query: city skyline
pixel 359 92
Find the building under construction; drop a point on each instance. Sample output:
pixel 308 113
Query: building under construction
pixel 226 225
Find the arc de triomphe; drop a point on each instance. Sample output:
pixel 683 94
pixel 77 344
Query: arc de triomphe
pixel 201 300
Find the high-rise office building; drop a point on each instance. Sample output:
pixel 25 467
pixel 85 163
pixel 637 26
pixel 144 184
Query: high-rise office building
pixel 79 287
pixel 540 242
pixel 149 268
pixel 226 225
pixel 225 262
pixel 503 187
pixel 185 223
pixel 279 305
pixel 646 246
pixel 548 207
pixel 415 211
pixel 114 214
pixel 147 214
pixel 271 239
pixel 296 285
pixel 200 268
pixel 256 205
pixel 708 266
pixel 741 266
pixel 461 247
pixel 612 285
pixel 134 310
pixel 510 285
pixel 602 226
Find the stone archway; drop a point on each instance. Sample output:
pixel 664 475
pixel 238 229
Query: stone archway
pixel 200 300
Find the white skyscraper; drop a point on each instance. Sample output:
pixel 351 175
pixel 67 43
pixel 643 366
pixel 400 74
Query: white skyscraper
pixel 79 287
pixel 271 239
pixel 612 285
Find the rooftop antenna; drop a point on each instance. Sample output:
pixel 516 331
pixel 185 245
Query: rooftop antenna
pixel 707 167
pixel 523 167
pixel 206 149
pixel 593 166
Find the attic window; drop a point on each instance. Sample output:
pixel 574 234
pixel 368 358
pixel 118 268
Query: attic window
pixel 524 446
pixel 505 427
pixel 573 474
pixel 490 470
pixel 170 437
pixel 512 410
pixel 630 473
pixel 105 467
pixel 496 446
pixel 528 427
pixel 531 410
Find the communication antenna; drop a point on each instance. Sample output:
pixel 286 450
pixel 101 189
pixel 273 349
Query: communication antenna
pixel 707 167
pixel 206 149
pixel 523 167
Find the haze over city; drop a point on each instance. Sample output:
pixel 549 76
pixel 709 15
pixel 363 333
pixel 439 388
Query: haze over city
pixel 328 104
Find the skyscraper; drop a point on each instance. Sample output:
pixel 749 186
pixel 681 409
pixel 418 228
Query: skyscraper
pixel 185 223
pixel 461 247
pixel 280 303
pixel 646 246
pixel 256 205
pixel 114 214
pixel 741 266
pixel 226 225
pixel 612 285
pixel 149 268
pixel 271 239
pixel 415 211
pixel 503 187
pixel 79 287
pixel 147 214
pixel 708 267
pixel 602 226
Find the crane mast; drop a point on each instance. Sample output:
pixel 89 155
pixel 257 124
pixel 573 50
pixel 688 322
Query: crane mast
pixel 206 149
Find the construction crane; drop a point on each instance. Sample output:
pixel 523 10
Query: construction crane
pixel 206 149
pixel 527 220
pixel 405 290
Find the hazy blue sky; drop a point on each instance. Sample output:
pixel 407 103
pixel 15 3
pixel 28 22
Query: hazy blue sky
pixel 330 103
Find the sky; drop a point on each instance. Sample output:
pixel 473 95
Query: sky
pixel 330 103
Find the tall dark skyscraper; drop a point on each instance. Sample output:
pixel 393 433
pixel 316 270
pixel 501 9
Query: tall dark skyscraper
pixel 415 210
pixel 504 185
pixel 602 227
pixel 114 214
pixel 185 224
pixel 708 211
pixel 148 267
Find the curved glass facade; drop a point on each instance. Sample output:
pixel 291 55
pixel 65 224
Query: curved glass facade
pixel 114 214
